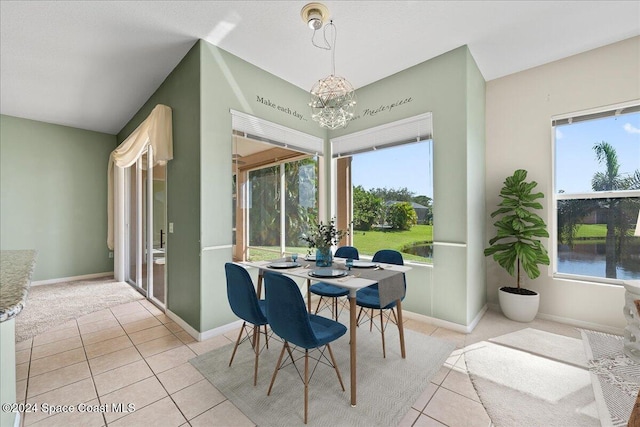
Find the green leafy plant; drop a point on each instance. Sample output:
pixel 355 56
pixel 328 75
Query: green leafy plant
pixel 323 236
pixel 516 243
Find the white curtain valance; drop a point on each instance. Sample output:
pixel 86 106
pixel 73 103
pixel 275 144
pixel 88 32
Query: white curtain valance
pixel 155 130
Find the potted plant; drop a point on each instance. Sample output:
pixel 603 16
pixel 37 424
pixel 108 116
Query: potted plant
pixel 322 237
pixel 517 246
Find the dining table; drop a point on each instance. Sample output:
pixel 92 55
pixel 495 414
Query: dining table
pixel 389 277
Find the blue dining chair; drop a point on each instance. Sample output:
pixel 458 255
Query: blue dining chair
pixel 332 292
pixel 289 319
pixel 369 297
pixel 245 304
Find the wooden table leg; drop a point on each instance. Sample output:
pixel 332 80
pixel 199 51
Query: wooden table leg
pixel 352 343
pixel 259 287
pixel 309 295
pixel 401 329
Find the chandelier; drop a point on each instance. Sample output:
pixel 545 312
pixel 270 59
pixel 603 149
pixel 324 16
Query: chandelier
pixel 333 98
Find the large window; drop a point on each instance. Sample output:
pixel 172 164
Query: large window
pixel 282 201
pixel 275 188
pixel 389 172
pixel 597 194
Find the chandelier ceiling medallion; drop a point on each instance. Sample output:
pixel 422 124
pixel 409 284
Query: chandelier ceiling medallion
pixel 333 98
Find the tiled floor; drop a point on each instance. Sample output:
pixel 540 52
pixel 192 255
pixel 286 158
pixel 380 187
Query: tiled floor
pixel 134 354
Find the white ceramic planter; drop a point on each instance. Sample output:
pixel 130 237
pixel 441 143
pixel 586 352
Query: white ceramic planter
pixel 521 308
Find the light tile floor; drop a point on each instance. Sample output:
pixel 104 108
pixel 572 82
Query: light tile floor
pixel 134 354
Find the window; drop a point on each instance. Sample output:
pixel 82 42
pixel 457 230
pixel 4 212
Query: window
pixel 275 188
pixel 389 198
pixel 282 201
pixel 597 195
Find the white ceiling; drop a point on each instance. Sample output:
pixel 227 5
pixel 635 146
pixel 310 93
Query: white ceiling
pixel 93 64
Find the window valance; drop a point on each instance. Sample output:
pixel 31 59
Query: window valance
pixel 155 131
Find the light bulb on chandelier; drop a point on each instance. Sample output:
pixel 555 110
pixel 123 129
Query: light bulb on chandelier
pixel 333 98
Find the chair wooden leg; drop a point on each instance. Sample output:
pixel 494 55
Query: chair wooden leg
pixel 275 372
pixel 318 306
pixel 306 383
pixel 255 333
pixel 358 319
pixel 235 347
pixel 290 353
pixel 257 351
pixel 266 336
pixel 384 353
pixel 335 366
pixel 371 321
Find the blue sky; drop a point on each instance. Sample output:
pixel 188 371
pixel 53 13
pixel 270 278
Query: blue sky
pixel 576 161
pixel 396 167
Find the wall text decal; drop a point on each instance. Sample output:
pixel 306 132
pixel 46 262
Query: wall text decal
pixel 370 112
pixel 281 108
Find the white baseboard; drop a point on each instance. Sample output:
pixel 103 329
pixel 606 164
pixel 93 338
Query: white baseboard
pixel 201 336
pixel 72 278
pixel 573 322
pixel 220 330
pixel 581 324
pixel 445 323
pixel 184 325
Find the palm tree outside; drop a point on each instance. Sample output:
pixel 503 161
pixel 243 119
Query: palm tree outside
pixel 617 213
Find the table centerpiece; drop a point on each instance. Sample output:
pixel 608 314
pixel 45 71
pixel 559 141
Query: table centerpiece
pixel 322 237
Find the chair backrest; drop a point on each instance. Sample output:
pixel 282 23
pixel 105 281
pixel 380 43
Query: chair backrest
pixel 286 311
pixel 389 256
pixel 347 252
pixel 242 295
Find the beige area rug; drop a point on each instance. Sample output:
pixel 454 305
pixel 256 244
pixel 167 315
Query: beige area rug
pixel 552 346
pixel 48 306
pixel 386 387
pixel 532 380
pixel 615 377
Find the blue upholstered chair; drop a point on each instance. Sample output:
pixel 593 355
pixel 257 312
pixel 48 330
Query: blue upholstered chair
pixel 369 297
pixel 289 319
pixel 245 304
pixel 332 292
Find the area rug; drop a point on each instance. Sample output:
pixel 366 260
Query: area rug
pixel 385 392
pixel 615 377
pixel 552 346
pixel 521 388
pixel 48 306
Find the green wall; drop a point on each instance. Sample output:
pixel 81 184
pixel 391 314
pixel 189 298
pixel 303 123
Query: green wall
pixel 53 196
pixel 181 92
pixel 209 82
pixel 452 88
pixel 229 82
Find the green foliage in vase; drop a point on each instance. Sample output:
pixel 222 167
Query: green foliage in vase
pixel 324 236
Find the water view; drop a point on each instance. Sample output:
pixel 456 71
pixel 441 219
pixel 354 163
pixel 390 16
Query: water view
pixel 590 260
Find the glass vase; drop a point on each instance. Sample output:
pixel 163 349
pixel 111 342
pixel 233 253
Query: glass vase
pixel 324 258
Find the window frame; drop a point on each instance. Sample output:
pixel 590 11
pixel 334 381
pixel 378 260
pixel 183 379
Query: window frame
pixel 410 130
pixel 569 118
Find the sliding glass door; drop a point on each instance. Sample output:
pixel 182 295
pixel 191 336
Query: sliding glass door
pixel 145 228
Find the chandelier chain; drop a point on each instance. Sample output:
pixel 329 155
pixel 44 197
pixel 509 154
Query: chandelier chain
pixel 333 98
pixel 327 44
